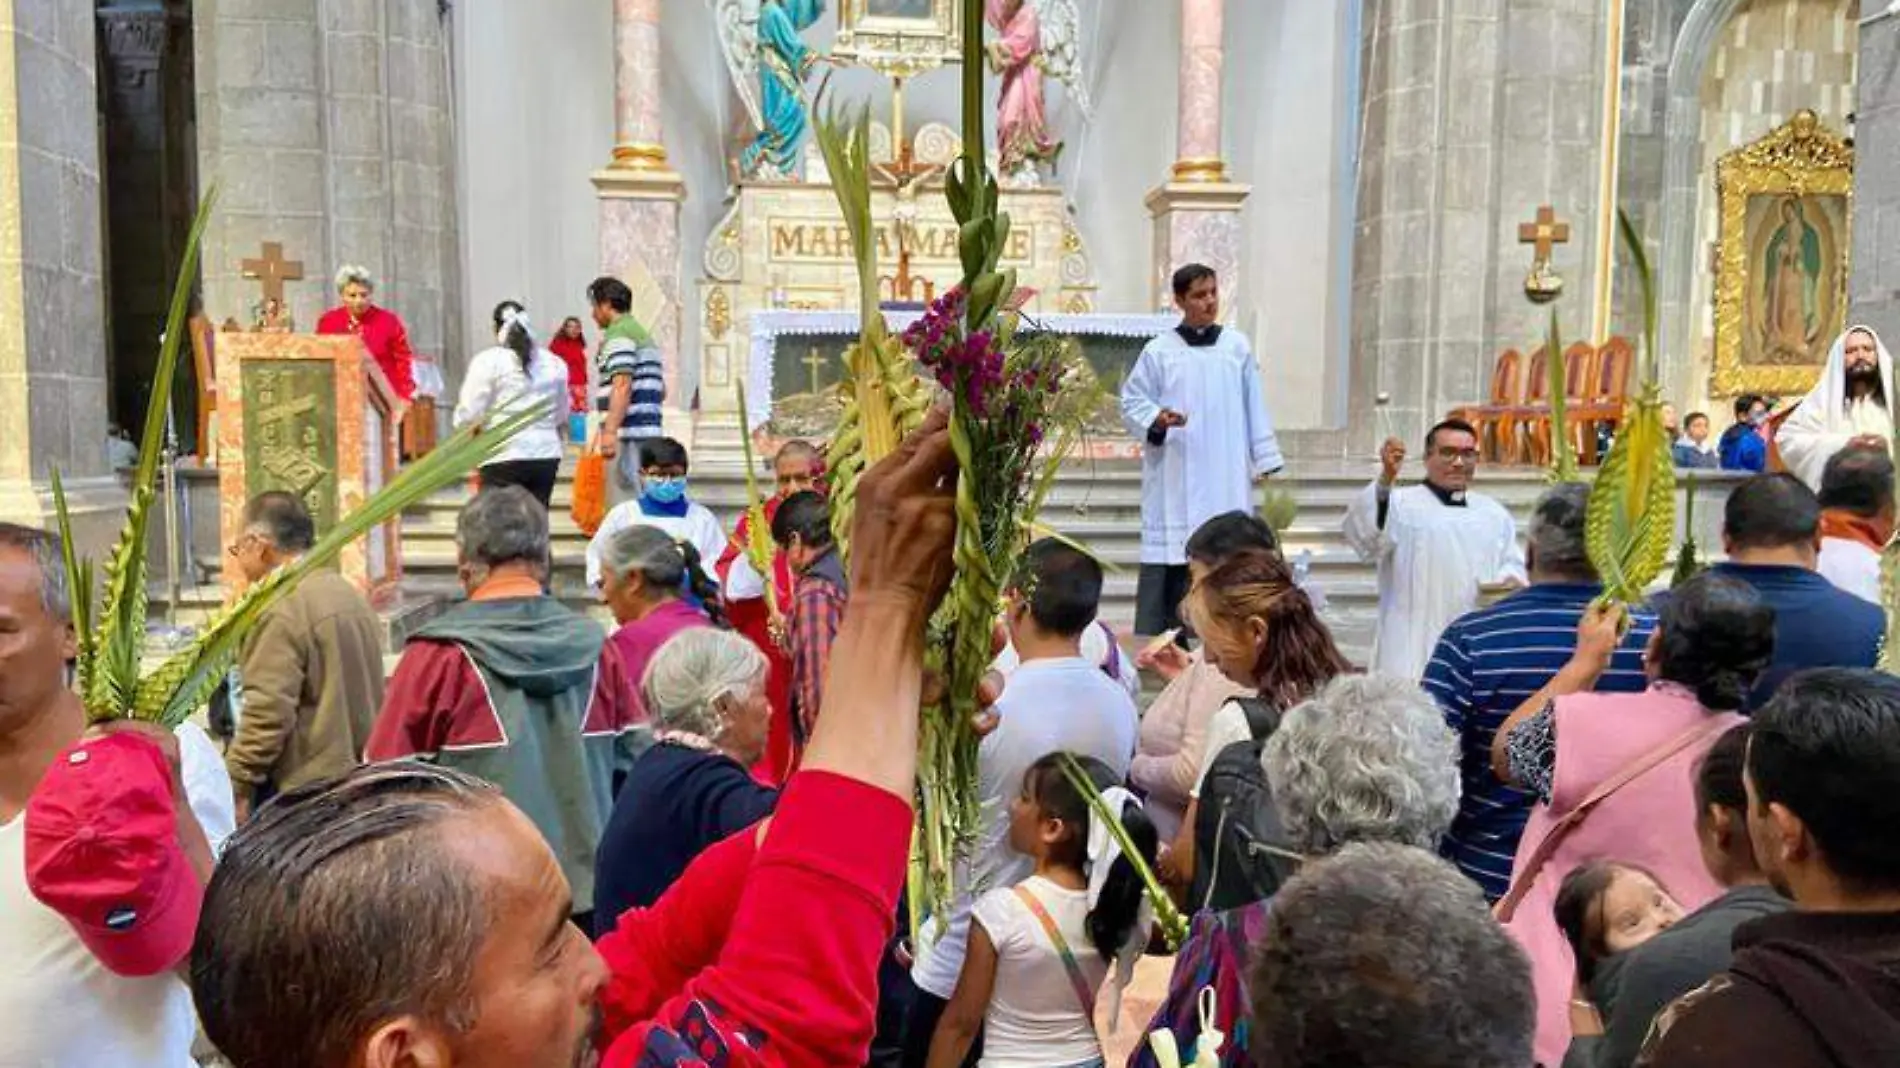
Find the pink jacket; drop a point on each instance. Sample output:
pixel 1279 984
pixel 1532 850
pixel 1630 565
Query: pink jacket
pixel 1649 822
pixel 1173 734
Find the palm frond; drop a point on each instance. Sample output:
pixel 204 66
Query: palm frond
pixel 1646 282
pixel 1563 457
pixel 78 586
pixel 186 680
pixel 1167 917
pixel 758 544
pixel 112 670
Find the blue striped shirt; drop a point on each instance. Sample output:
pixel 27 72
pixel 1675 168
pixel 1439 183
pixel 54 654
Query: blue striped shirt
pixel 1489 662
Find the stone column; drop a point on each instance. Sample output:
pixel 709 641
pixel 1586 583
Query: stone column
pixel 640 195
pixel 52 308
pixel 1197 211
pixel 1875 287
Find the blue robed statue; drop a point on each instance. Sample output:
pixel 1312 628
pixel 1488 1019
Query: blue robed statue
pixel 770 61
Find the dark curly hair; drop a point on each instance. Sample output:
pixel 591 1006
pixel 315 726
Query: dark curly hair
pixel 1715 636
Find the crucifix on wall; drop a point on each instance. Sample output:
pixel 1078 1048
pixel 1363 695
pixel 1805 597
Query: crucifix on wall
pixel 272 270
pixel 1544 233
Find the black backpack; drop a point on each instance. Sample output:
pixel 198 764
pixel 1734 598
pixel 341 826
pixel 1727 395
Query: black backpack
pixel 1241 850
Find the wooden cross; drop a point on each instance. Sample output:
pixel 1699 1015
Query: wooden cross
pixel 817 364
pixel 1544 233
pixel 273 270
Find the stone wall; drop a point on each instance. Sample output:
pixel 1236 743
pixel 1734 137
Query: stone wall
pixel 1475 113
pixel 329 125
pixel 1875 287
pixel 52 311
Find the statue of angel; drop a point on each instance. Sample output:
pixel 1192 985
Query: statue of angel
pixel 769 62
pixel 1034 38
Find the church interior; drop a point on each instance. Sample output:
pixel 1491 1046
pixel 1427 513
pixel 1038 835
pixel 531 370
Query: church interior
pixel 1397 195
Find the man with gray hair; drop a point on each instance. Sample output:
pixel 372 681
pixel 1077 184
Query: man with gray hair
pixel 1367 759
pixel 1490 661
pixel 1383 954
pixel 514 686
pixel 312 667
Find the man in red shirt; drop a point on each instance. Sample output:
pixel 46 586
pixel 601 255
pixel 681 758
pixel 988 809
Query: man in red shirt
pixel 382 332
pixel 430 923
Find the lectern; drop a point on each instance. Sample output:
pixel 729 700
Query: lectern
pixel 312 416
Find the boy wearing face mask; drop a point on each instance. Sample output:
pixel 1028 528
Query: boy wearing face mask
pixel 662 503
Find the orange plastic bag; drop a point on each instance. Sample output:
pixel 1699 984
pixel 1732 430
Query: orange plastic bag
pixel 590 492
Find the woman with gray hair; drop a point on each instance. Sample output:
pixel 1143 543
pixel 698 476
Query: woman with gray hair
pixel 382 332
pixel 705 695
pixel 1367 758
pixel 646 580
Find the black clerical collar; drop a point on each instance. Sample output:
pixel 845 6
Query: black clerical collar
pixel 1199 337
pixel 1446 497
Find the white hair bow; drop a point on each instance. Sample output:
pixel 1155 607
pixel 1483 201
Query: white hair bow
pixel 1104 849
pixel 512 317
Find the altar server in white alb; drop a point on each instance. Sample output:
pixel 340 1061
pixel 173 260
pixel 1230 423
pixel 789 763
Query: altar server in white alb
pixel 1436 544
pixel 1194 399
pixel 1851 405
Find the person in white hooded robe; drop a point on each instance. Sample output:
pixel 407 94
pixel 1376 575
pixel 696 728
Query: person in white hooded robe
pixel 1194 400
pixel 1851 405
pixel 1437 544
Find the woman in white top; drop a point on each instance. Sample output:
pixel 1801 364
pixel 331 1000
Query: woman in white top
pixel 510 377
pixel 1039 951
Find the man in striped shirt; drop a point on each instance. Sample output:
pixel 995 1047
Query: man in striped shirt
pixel 1490 661
pixel 632 383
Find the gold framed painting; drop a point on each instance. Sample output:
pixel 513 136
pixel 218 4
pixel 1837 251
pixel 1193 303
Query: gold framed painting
pixel 900 38
pixel 1782 258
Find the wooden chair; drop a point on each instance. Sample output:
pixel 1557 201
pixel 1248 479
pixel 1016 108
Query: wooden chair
pixel 1507 393
pixel 1580 364
pixel 1609 396
pixel 1516 437
pixel 204 358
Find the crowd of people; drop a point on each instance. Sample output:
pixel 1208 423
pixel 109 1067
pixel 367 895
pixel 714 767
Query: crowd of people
pixel 1533 829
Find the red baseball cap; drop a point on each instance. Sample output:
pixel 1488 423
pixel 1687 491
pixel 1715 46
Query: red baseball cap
pixel 102 850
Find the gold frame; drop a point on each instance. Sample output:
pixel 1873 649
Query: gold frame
pixel 1799 158
pixel 899 47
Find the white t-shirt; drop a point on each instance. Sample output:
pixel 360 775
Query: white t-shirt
pixel 698 526
pixel 1036 1017
pixel 1228 725
pixel 1851 566
pixel 1099 647
pixel 61 1008
pixel 496 387
pixel 1049 706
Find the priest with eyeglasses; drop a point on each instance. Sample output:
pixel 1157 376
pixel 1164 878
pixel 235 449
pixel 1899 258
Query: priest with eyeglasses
pixel 1437 545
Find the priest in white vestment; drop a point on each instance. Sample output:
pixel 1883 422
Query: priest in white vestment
pixel 1194 399
pixel 1435 543
pixel 1851 404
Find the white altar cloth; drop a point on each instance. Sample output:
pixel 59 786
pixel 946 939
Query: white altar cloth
pixel 769 326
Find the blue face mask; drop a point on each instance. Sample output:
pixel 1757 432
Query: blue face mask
pixel 666 490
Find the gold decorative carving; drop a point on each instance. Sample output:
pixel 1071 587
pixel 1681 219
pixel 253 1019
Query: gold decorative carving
pixel 639 156
pixel 718 313
pixel 900 38
pixel 1789 197
pixel 1209 169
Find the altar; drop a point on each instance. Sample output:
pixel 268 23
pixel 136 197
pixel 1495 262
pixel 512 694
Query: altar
pixel 795 362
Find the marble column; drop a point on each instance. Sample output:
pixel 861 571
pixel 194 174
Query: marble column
pixel 1197 211
pixel 640 195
